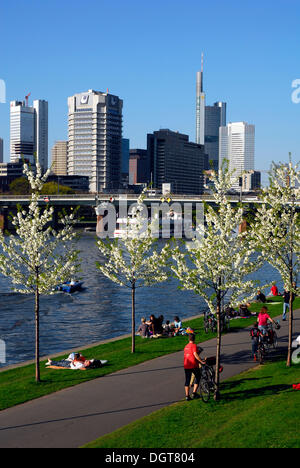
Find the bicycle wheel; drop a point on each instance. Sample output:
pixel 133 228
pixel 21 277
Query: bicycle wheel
pixel 275 340
pixel 261 353
pixel 210 377
pixel 204 390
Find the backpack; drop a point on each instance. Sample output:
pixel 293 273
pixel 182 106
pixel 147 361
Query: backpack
pixel 254 333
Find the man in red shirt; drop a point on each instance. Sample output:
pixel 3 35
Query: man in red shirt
pixel 191 366
pixel 274 290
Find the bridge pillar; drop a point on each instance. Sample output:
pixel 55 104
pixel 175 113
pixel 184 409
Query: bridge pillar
pixel 243 226
pixel 54 222
pixel 99 226
pixel 4 219
pixel 2 222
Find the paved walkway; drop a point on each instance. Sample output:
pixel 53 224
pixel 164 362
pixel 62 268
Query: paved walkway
pixel 75 416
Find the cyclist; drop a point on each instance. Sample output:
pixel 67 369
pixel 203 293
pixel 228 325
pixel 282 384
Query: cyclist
pixel 263 319
pixel 191 366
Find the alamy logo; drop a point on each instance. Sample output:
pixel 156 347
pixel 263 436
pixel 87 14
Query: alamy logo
pixel 2 352
pixel 164 220
pixel 296 353
pixel 2 92
pixel 296 92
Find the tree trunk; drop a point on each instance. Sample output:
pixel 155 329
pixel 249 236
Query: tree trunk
pixel 291 269
pixel 37 335
pixel 290 349
pixel 133 318
pixel 219 337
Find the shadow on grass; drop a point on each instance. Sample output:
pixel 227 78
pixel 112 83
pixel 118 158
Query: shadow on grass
pixel 256 392
pixel 236 383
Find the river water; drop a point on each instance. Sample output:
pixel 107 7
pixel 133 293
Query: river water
pixel 101 311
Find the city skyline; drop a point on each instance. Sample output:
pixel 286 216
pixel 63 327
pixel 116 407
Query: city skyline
pixel 155 76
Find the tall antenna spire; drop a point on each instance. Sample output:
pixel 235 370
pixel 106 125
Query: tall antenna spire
pixel 202 62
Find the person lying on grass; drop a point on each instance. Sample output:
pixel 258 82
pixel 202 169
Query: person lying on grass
pixel 76 361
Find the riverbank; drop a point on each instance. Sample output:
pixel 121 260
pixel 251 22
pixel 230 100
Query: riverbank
pixel 259 409
pixel 17 384
pixel 76 416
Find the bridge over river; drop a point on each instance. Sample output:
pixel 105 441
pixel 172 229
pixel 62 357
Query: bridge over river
pixel 89 202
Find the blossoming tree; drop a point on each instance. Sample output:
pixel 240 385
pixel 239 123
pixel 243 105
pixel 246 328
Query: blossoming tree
pixel 276 230
pixel 37 258
pixel 133 260
pixel 218 263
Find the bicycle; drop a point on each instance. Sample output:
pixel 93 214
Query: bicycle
pixel 210 323
pixel 271 336
pixel 261 349
pixel 207 383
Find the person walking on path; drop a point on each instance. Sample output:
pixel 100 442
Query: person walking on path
pixel 191 367
pixel 286 302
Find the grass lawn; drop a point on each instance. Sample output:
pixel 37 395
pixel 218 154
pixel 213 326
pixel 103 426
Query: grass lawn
pixel 18 385
pixel 259 409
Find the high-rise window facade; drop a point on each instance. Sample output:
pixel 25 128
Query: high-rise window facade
pixel 176 160
pixel 237 142
pixel 29 132
pixel 59 158
pixel 215 117
pixel 95 139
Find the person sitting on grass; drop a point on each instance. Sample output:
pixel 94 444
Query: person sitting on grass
pixel 177 326
pixel 167 329
pixel 143 329
pixel 274 290
pixel 261 297
pixel 244 311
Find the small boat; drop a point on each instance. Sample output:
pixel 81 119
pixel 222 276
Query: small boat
pixel 70 287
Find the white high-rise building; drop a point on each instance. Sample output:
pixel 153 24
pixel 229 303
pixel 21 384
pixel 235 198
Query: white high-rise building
pixel 21 131
pixel 237 143
pixel 29 132
pixel 95 138
pixel 200 107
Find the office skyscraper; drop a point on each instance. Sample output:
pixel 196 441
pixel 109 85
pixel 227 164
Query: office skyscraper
pixel 215 117
pixel 59 158
pixel 95 138
pixel 29 132
pixel 176 160
pixel 200 107
pixel 41 132
pixel 208 121
pixel 237 141
pixel 139 167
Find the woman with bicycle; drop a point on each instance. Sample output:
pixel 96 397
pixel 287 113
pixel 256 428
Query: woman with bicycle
pixel 263 319
pixel 191 366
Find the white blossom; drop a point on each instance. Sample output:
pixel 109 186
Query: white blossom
pixel 276 231
pixel 36 257
pixel 134 261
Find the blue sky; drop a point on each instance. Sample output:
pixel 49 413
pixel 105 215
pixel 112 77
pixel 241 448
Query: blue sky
pixel 148 53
